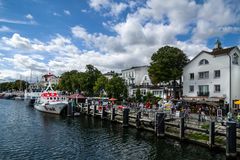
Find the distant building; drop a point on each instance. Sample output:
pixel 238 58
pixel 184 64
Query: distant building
pixel 138 77
pixel 213 76
pixel 49 78
pixel 109 75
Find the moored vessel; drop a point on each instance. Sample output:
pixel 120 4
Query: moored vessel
pixel 51 101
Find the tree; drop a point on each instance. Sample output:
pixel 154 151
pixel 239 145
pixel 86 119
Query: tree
pixel 138 95
pixel 116 88
pixel 80 81
pixel 71 81
pixel 167 65
pixel 90 77
pixel 100 85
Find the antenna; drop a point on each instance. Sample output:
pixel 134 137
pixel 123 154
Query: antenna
pixel 30 76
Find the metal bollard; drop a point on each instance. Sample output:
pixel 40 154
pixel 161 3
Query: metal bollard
pixel 231 147
pixel 125 117
pixel 211 134
pixel 160 124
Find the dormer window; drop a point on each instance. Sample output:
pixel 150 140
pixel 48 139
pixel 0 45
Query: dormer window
pixel 203 61
pixel 235 58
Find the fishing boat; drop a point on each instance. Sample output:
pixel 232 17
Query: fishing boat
pixel 51 101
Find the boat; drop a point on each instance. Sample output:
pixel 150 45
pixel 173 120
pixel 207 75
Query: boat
pixel 31 95
pixel 51 101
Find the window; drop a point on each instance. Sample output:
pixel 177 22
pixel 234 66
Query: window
pixel 235 58
pixel 145 78
pixel 217 74
pixel 217 88
pixel 203 61
pixel 203 75
pixel 191 76
pixel 191 88
pixel 203 90
pixel 156 93
pixel 143 92
pixel 134 92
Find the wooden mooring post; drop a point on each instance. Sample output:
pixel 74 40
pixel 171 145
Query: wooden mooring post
pixel 160 124
pixel 94 110
pixel 138 121
pixel 182 128
pixel 70 108
pixel 231 145
pixel 211 134
pixel 103 114
pixel 113 114
pixel 88 109
pixel 125 117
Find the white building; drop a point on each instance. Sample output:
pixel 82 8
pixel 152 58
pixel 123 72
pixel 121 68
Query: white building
pixel 49 77
pixel 109 75
pixel 137 77
pixel 213 76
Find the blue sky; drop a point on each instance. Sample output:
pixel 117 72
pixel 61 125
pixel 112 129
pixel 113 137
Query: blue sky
pixel 60 35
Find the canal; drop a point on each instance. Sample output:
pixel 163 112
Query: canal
pixel 29 134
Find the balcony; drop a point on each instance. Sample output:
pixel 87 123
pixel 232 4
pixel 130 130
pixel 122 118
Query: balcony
pixel 203 94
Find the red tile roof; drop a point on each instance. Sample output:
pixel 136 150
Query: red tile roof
pixel 217 52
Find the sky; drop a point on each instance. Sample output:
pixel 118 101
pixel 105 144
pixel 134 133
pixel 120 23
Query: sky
pixel 38 36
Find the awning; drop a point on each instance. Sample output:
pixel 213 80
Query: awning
pixel 237 102
pixel 76 96
pixel 112 99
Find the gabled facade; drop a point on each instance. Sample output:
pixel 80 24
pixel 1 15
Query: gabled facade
pixel 49 78
pixel 137 77
pixel 213 76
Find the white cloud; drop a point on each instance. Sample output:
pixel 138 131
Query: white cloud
pixel 29 16
pixel 98 4
pixel 5 29
pixel 216 22
pixel 67 12
pixel 58 45
pixel 146 28
pixel 56 14
pixel 13 21
pixel 84 10
pixel 111 8
pixel 25 63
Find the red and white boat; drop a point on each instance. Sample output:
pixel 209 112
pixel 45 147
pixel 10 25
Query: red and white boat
pixel 51 101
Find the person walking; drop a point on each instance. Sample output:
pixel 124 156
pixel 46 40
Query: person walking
pixel 199 114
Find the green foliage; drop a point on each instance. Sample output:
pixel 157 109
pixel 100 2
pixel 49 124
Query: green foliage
pixel 100 85
pixel 92 83
pixel 205 126
pixel 138 95
pixel 167 65
pixel 91 76
pixel 116 88
pixel 80 81
pixel 71 81
pixel 198 136
pixel 18 85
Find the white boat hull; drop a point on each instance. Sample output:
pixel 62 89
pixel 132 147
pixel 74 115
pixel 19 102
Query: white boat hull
pixel 54 108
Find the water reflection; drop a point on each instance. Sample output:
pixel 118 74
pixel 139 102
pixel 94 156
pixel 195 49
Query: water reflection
pixel 30 134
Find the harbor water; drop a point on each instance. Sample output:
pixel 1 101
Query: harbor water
pixel 29 134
